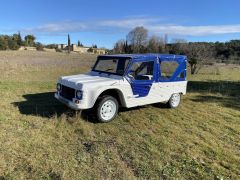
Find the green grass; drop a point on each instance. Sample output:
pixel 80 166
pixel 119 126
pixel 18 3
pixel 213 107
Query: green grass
pixel 42 139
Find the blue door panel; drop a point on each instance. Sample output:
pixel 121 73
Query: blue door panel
pixel 141 88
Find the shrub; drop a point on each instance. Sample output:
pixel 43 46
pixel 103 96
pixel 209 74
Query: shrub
pixel 3 44
pixel 39 47
pixel 13 44
pixel 58 50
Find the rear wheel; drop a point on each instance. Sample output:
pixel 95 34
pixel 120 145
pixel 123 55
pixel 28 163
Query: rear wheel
pixel 174 100
pixel 106 108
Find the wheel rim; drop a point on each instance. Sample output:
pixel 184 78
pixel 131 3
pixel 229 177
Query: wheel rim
pixel 175 100
pixel 108 110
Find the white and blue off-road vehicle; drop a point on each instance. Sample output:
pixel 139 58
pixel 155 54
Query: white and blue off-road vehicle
pixel 126 80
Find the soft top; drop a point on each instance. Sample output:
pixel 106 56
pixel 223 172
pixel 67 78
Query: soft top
pixel 162 57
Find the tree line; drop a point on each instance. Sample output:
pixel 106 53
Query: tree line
pixel 199 53
pixel 15 41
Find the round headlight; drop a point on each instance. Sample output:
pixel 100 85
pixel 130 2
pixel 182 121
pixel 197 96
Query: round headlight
pixel 79 94
pixel 58 87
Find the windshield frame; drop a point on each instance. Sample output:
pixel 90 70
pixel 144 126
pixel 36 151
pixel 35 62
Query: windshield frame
pixel 106 58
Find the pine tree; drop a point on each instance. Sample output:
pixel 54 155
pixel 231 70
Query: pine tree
pixel 19 40
pixel 69 43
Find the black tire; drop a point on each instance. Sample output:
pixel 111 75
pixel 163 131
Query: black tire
pixel 174 100
pixel 101 104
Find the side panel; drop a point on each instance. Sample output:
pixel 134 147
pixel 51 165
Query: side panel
pixel 159 92
pixel 166 89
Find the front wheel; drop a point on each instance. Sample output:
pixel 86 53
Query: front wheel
pixel 174 100
pixel 106 108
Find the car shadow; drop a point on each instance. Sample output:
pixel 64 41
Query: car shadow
pixel 45 105
pixel 225 93
pixel 41 104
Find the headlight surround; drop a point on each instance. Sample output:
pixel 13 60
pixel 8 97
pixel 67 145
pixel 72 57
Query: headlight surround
pixel 59 87
pixel 79 94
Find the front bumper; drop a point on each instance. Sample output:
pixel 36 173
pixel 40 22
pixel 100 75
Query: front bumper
pixel 70 104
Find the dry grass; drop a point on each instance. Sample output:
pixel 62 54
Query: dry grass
pixel 42 139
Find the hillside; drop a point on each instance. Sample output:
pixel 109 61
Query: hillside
pixel 41 138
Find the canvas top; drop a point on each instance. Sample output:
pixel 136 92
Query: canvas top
pixel 163 57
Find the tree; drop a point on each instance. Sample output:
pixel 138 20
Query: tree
pixel 155 44
pixel 222 51
pixel 179 46
pixel 69 43
pixel 30 40
pixel 119 46
pixel 12 44
pixel 19 40
pixel 127 48
pixel 198 55
pixel 80 44
pixel 165 43
pixel 3 43
pixel 137 38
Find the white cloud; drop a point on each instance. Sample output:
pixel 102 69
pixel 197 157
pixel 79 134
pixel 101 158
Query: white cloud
pixel 195 30
pixel 129 22
pixel 153 24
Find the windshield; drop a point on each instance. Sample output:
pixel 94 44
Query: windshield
pixel 111 65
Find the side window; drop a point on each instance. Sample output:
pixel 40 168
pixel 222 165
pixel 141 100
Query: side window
pixel 167 69
pixel 142 70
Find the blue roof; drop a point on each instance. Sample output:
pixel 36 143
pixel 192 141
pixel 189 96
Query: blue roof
pixel 165 57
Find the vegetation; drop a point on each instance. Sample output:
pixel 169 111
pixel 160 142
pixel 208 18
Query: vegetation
pixel 79 44
pixel 199 53
pixel 10 42
pixel 42 139
pixel 69 44
pixel 30 40
pixel 39 47
pixel 90 50
pixel 137 38
pixel 15 41
pixel 94 46
pixel 52 46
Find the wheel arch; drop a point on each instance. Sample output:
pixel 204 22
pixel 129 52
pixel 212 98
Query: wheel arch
pixel 116 93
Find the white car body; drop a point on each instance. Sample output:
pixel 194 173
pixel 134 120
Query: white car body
pixel 93 84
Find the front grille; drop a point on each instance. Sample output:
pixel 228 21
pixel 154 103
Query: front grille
pixel 67 92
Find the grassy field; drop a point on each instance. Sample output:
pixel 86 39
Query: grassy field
pixel 42 139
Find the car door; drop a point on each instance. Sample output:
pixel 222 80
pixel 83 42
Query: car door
pixel 141 77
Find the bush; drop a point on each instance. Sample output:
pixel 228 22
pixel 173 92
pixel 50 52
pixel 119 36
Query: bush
pixel 51 46
pixel 39 47
pixel 58 50
pixel 3 44
pixel 13 45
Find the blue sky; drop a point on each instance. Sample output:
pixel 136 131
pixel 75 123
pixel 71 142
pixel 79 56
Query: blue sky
pixel 106 21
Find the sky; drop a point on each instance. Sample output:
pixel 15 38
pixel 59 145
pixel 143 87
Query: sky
pixel 106 21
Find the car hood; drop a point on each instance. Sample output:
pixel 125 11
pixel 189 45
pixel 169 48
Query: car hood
pixel 82 81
